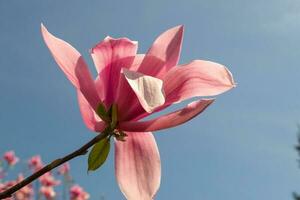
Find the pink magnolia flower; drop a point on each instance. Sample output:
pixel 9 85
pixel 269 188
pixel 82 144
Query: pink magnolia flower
pixel 2 187
pixel 77 193
pixel 48 180
pixel 35 163
pixel 139 85
pixel 64 169
pixel 48 192
pixel 8 184
pixel 10 158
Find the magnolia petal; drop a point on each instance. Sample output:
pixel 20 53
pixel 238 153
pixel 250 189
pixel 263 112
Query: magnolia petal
pixel 73 65
pixel 111 50
pixel 109 57
pixel 163 54
pixel 91 120
pixel 169 120
pixel 100 87
pixel 126 100
pixel 128 103
pixel 137 61
pixel 147 89
pixel 137 166
pixel 198 78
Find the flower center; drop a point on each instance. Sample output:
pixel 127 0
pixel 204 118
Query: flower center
pixel 110 117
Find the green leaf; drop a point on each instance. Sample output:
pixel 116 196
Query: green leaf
pixel 109 111
pixel 98 154
pixel 101 111
pixel 114 116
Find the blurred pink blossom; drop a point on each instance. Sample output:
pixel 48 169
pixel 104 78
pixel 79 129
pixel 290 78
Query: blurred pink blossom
pixel 48 180
pixel 48 192
pixel 77 193
pixel 35 163
pixel 25 193
pixel 5 186
pixel 10 158
pixel 64 169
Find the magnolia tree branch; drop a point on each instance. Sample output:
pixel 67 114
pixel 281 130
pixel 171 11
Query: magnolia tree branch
pixel 81 151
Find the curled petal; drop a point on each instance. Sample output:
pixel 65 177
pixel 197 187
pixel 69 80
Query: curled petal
pixel 73 65
pixel 130 108
pixel 198 78
pixel 110 56
pixel 147 89
pixel 91 120
pixel 169 120
pixel 137 166
pixel 127 100
pixel 163 54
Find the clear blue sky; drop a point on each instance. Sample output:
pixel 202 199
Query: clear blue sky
pixel 240 148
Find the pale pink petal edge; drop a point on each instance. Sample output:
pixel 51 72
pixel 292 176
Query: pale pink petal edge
pixel 137 166
pixel 73 65
pixel 197 78
pixel 169 120
pixel 166 48
pixel 89 117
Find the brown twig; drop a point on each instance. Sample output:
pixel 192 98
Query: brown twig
pixel 81 151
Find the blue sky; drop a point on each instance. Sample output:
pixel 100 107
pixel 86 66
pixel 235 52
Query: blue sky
pixel 240 148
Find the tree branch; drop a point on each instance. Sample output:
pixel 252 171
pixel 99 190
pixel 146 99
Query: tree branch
pixel 81 151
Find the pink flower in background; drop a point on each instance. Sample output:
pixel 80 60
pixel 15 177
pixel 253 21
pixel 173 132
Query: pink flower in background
pixel 35 163
pixel 139 85
pixel 10 158
pixel 48 180
pixel 5 186
pixel 46 186
pixel 48 192
pixel 64 169
pixel 77 193
pixel 25 193
pixel 2 187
